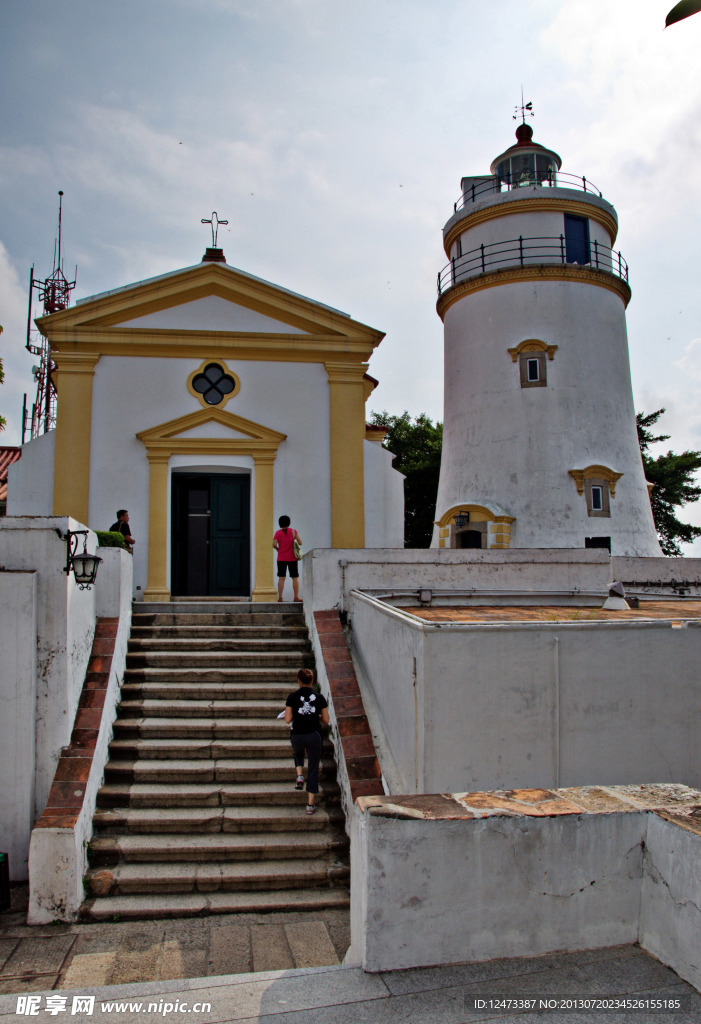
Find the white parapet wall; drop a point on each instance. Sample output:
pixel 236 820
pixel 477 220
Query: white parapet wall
pixel 469 877
pixel 58 852
pixel 64 631
pixel 331 573
pixel 507 704
pixel 18 682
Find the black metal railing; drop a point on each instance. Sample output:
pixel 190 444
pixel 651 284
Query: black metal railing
pixel 496 185
pixel 527 251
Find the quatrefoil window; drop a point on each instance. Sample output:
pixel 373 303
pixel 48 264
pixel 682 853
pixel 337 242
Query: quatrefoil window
pixel 213 383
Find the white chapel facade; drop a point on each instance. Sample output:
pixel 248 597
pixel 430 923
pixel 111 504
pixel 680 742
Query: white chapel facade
pixel 540 446
pixel 209 402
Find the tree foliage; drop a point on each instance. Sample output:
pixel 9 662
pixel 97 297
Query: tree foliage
pixel 673 477
pixel 416 446
pixel 682 10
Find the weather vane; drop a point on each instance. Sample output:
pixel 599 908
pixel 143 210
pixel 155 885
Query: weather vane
pixel 523 110
pixel 214 222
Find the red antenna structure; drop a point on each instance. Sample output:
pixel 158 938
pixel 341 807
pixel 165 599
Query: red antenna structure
pixel 55 294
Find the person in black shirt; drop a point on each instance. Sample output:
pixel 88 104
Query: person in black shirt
pixel 122 526
pixel 306 712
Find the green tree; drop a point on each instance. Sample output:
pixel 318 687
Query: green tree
pixel 682 10
pixel 416 446
pixel 673 477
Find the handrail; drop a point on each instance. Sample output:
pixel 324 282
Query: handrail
pixel 496 185
pixel 527 251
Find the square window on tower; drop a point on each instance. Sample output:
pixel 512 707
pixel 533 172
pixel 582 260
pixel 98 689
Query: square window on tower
pixel 533 369
pixel 597 495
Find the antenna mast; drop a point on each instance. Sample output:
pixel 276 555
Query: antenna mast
pixel 55 294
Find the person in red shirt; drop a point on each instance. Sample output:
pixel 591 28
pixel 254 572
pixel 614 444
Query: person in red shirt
pixel 284 544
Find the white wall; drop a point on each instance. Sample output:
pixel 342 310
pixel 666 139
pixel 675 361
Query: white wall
pixel 18 682
pixel 58 855
pixel 65 630
pixel 446 887
pixel 331 574
pixel 384 498
pixel 504 705
pixel 133 394
pixel 30 487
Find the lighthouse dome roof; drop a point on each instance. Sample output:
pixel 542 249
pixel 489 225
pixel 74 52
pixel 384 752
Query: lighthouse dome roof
pixel 525 160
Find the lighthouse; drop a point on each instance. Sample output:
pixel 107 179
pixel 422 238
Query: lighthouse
pixel 540 446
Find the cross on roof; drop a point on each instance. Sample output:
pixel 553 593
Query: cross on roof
pixel 214 222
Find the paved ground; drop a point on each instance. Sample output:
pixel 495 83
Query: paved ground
pixel 81 956
pixel 346 995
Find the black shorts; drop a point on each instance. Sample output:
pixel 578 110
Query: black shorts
pixel 282 568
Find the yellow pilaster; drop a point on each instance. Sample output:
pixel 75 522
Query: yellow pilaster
pixel 157 588
pixel 347 408
pixel 263 589
pixel 73 418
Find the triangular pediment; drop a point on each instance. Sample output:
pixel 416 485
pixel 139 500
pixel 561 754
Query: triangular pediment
pixel 222 425
pixel 213 305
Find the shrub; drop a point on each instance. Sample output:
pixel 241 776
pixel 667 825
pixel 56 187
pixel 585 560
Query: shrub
pixel 110 539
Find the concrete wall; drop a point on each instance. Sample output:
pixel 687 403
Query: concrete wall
pixel 30 486
pixel 65 626
pixel 384 498
pixel 452 891
pixel 18 681
pixel 58 855
pixel 670 915
pixel 330 574
pixel 503 705
pixel 448 879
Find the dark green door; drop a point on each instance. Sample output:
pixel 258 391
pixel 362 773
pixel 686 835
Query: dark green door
pixel 210 535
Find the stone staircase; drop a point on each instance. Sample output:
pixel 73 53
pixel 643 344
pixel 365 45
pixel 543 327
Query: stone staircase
pixel 198 813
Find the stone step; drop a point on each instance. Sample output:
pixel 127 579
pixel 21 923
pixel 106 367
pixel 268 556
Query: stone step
pixel 181 645
pixel 193 709
pixel 217 659
pixel 157 907
pixel 145 879
pixel 110 850
pixel 199 606
pixel 158 619
pixel 207 691
pixel 204 749
pixel 191 820
pixel 225 770
pixel 212 729
pixel 210 794
pixel 220 632
pixel 213 675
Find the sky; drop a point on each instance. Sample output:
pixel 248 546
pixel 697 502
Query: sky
pixel 333 137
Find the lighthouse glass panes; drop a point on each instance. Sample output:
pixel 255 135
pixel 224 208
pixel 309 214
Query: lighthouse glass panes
pixel 527 169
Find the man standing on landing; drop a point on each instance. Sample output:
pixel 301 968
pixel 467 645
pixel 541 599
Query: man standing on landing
pixel 284 544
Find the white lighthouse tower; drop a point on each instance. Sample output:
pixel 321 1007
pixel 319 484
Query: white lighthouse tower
pixel 540 446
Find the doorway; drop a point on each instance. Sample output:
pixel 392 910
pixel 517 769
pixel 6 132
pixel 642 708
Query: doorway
pixel 210 536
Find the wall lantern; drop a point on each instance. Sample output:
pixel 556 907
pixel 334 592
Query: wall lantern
pixel 84 566
pixel 461 520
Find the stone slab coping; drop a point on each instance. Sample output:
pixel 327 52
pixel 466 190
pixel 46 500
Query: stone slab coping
pixel 675 802
pixel 679 610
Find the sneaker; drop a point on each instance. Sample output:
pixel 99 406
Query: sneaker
pixel 299 784
pixel 311 808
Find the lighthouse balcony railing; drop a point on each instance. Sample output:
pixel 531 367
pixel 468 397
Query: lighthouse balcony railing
pixel 484 187
pixel 521 252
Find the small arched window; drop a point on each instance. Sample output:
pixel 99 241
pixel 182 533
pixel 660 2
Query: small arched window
pixel 532 357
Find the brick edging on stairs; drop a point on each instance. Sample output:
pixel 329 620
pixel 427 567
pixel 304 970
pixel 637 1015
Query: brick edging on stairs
pixel 75 762
pixel 359 755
